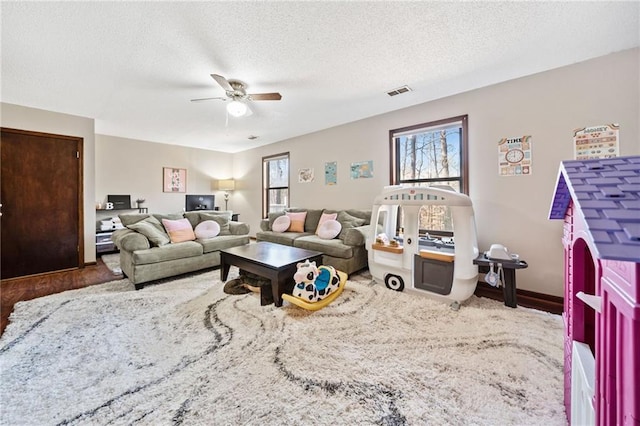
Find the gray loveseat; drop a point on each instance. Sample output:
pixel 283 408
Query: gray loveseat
pixel 145 254
pixel 346 252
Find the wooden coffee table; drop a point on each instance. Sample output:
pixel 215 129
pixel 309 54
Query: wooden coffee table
pixel 276 262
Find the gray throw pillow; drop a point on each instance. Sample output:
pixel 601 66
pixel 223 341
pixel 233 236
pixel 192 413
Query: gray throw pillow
pixel 347 221
pixel 311 220
pixel 360 214
pixel 223 213
pixel 151 228
pixel 197 216
pixel 130 218
pixel 170 216
pixel 222 220
pixel 192 217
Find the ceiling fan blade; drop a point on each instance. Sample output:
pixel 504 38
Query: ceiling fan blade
pixel 208 99
pixel 222 82
pixel 265 96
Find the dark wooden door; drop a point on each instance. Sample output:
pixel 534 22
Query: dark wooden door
pixel 41 222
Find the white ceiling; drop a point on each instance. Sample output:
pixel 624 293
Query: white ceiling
pixel 134 66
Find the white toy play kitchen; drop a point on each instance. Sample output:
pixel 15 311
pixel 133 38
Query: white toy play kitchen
pixel 442 269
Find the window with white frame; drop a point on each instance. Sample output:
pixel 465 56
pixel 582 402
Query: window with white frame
pixel 275 183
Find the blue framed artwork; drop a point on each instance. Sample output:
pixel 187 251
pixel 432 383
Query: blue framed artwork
pixel 362 170
pixel 331 173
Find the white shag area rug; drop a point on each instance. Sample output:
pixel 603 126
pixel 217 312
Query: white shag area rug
pixel 184 352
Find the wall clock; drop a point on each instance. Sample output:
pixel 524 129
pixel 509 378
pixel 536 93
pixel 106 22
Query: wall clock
pixel 514 155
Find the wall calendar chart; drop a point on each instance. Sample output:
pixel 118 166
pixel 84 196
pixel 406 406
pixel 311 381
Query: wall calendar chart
pixel 596 142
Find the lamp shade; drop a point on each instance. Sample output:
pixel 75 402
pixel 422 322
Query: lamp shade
pixel 237 108
pixel 226 185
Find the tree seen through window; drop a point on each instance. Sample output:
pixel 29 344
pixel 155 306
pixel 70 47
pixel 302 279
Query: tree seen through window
pixel 431 154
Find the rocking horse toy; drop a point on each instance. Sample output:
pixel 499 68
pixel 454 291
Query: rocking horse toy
pixel 316 286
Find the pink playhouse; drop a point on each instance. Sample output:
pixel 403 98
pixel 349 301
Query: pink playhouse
pixel 599 201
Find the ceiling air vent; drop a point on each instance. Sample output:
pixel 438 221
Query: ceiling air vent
pixel 399 90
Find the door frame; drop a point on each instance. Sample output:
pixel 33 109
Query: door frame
pixel 80 179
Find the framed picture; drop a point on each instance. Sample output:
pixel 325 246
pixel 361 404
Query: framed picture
pixel 362 170
pixel 174 180
pixel 331 173
pixel 305 175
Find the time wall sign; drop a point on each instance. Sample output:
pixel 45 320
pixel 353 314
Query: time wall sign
pixel 514 156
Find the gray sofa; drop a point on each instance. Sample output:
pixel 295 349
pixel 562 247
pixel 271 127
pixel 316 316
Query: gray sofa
pixel 146 256
pixel 346 252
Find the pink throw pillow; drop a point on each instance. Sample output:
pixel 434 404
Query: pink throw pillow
pixel 329 229
pixel 207 229
pixel 281 223
pixel 297 221
pixel 325 217
pixel 179 230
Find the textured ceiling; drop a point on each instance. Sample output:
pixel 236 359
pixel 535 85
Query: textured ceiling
pixel 134 66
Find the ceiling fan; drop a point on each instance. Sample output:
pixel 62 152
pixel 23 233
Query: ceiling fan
pixel 236 91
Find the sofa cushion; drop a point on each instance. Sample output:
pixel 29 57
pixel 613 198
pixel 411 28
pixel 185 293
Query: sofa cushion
pixel 207 229
pixel 282 223
pixel 333 247
pixel 238 228
pixel 272 217
pixel 168 252
pixel 297 221
pixel 329 229
pixel 170 216
pixel 192 217
pixel 195 217
pixel 325 217
pixel 312 219
pixel 151 228
pixel 131 218
pixel 348 221
pixel 228 214
pixel 222 242
pixel 222 220
pixel 179 230
pixel 284 238
pixel 360 214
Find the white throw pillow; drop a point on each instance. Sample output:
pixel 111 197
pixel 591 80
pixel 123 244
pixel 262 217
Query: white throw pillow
pixel 329 229
pixel 281 224
pixel 325 217
pixel 207 229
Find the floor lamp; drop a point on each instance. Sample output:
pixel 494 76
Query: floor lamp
pixel 226 185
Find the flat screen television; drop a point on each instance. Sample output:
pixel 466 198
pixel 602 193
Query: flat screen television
pixel 120 202
pixel 199 202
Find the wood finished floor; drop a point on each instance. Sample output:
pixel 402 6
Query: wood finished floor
pixel 27 288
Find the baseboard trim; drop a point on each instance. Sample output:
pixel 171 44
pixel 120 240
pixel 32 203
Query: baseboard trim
pixel 40 274
pixel 525 298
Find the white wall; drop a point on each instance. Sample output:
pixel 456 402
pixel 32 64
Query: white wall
pixel 37 120
pixel 134 167
pixel 509 210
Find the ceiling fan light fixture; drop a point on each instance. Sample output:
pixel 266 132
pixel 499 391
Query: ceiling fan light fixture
pixel 237 108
